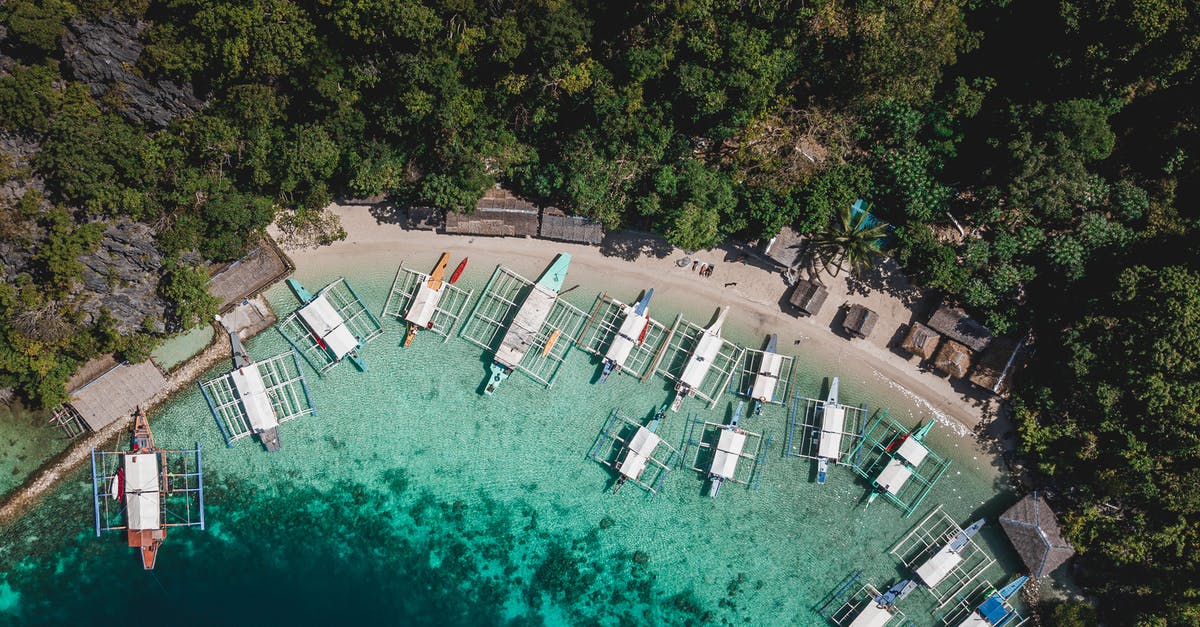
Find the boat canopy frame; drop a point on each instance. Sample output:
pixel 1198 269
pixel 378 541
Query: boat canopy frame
pixel 752 359
pixel 872 456
pixel 446 315
pixel 705 443
pixel 495 310
pixel 355 315
pixel 287 390
pixel 860 600
pixel 806 424
pixel 614 438
pixel 181 489
pixel 968 601
pixel 681 343
pixel 926 538
pixel 602 327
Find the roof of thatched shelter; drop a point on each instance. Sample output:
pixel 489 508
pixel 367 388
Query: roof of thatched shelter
pixel 560 226
pixel 497 213
pixel 953 359
pixel 921 341
pixel 860 321
pixel 785 248
pixel 957 325
pixel 1033 530
pixel 808 296
pixel 995 367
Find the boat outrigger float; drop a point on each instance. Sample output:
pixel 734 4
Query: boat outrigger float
pixel 523 329
pixel 708 346
pixel 327 326
pixel 632 333
pixel 429 294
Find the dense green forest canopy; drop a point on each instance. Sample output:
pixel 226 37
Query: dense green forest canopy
pixel 1035 158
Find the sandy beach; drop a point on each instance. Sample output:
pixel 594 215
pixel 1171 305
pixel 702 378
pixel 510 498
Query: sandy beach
pixel 628 262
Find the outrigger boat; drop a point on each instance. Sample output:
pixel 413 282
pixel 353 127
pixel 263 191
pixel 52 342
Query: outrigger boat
pixel 767 377
pixel 639 451
pixel 429 294
pixel 708 346
pixel 631 334
pixel 327 326
pixel 829 445
pixel 252 391
pixel 727 453
pixel 996 611
pixel 139 487
pixel 523 329
pixel 882 608
pixel 907 452
pixel 935 569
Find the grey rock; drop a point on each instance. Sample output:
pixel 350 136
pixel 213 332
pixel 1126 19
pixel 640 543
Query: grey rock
pixel 104 55
pixel 122 276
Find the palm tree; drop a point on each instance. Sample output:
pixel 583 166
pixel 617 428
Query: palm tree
pixel 848 241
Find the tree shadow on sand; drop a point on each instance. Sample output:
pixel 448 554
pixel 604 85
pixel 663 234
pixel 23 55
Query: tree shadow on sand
pixel 629 245
pixel 887 277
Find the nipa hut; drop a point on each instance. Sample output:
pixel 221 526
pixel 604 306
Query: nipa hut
pixel 860 321
pixel 1033 530
pixel 957 325
pixel 560 226
pixel 785 248
pixel 994 369
pixel 921 341
pixel 953 359
pixel 808 296
pixel 498 213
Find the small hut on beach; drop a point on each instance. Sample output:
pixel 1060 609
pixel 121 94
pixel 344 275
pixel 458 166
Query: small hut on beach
pixel 1033 530
pixel 786 248
pixel 498 213
pixel 955 324
pixel 921 341
pixel 860 321
pixel 996 367
pixel 560 226
pixel 808 296
pixel 953 359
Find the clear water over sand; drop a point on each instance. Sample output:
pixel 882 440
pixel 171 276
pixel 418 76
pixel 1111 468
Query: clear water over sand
pixel 411 499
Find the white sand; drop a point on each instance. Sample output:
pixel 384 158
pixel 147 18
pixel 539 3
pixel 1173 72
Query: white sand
pixel 635 261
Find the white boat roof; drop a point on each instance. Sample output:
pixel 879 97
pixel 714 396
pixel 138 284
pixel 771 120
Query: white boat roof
pixel 833 421
pixel 633 324
pixel 253 393
pixel 323 319
pixel 935 569
pixel 701 359
pixel 912 450
pixel 619 350
pixel 633 465
pixel 526 325
pixel 975 620
pixel 872 616
pixel 729 448
pixel 767 378
pixel 141 491
pixel 424 304
pixel 644 441
pixel 894 476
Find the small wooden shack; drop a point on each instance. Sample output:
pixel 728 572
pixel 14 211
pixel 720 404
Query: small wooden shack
pixel 995 367
pixel 808 296
pixel 498 213
pixel 860 321
pixel 786 248
pixel 955 324
pixel 921 341
pixel 560 226
pixel 953 359
pixel 1033 530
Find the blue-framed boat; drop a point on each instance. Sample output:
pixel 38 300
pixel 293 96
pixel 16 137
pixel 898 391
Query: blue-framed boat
pixel 631 334
pixel 996 611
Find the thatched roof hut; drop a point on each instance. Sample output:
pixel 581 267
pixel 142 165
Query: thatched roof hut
pixel 1033 530
pixel 497 213
pixel 995 368
pixel 560 226
pixel 860 321
pixel 808 296
pixel 958 326
pixel 921 341
pixel 953 359
pixel 785 248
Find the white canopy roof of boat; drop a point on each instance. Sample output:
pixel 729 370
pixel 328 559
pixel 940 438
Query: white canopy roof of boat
pixel 975 620
pixel 707 349
pixel 767 378
pixel 633 465
pixel 833 421
pixel 894 476
pixel 913 451
pixel 253 393
pixel 420 312
pixel 321 317
pixel 641 447
pixel 935 569
pixel 872 616
pixel 729 448
pixel 633 324
pixel 141 491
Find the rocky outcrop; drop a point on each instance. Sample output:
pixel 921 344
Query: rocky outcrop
pixel 104 55
pixel 122 276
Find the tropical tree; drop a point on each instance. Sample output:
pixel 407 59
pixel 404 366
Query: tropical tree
pixel 850 242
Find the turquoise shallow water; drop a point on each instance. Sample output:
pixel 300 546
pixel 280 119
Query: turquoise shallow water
pixel 411 499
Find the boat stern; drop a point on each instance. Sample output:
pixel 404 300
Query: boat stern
pixel 499 373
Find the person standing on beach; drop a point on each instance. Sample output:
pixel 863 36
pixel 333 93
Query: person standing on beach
pixel 694 262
